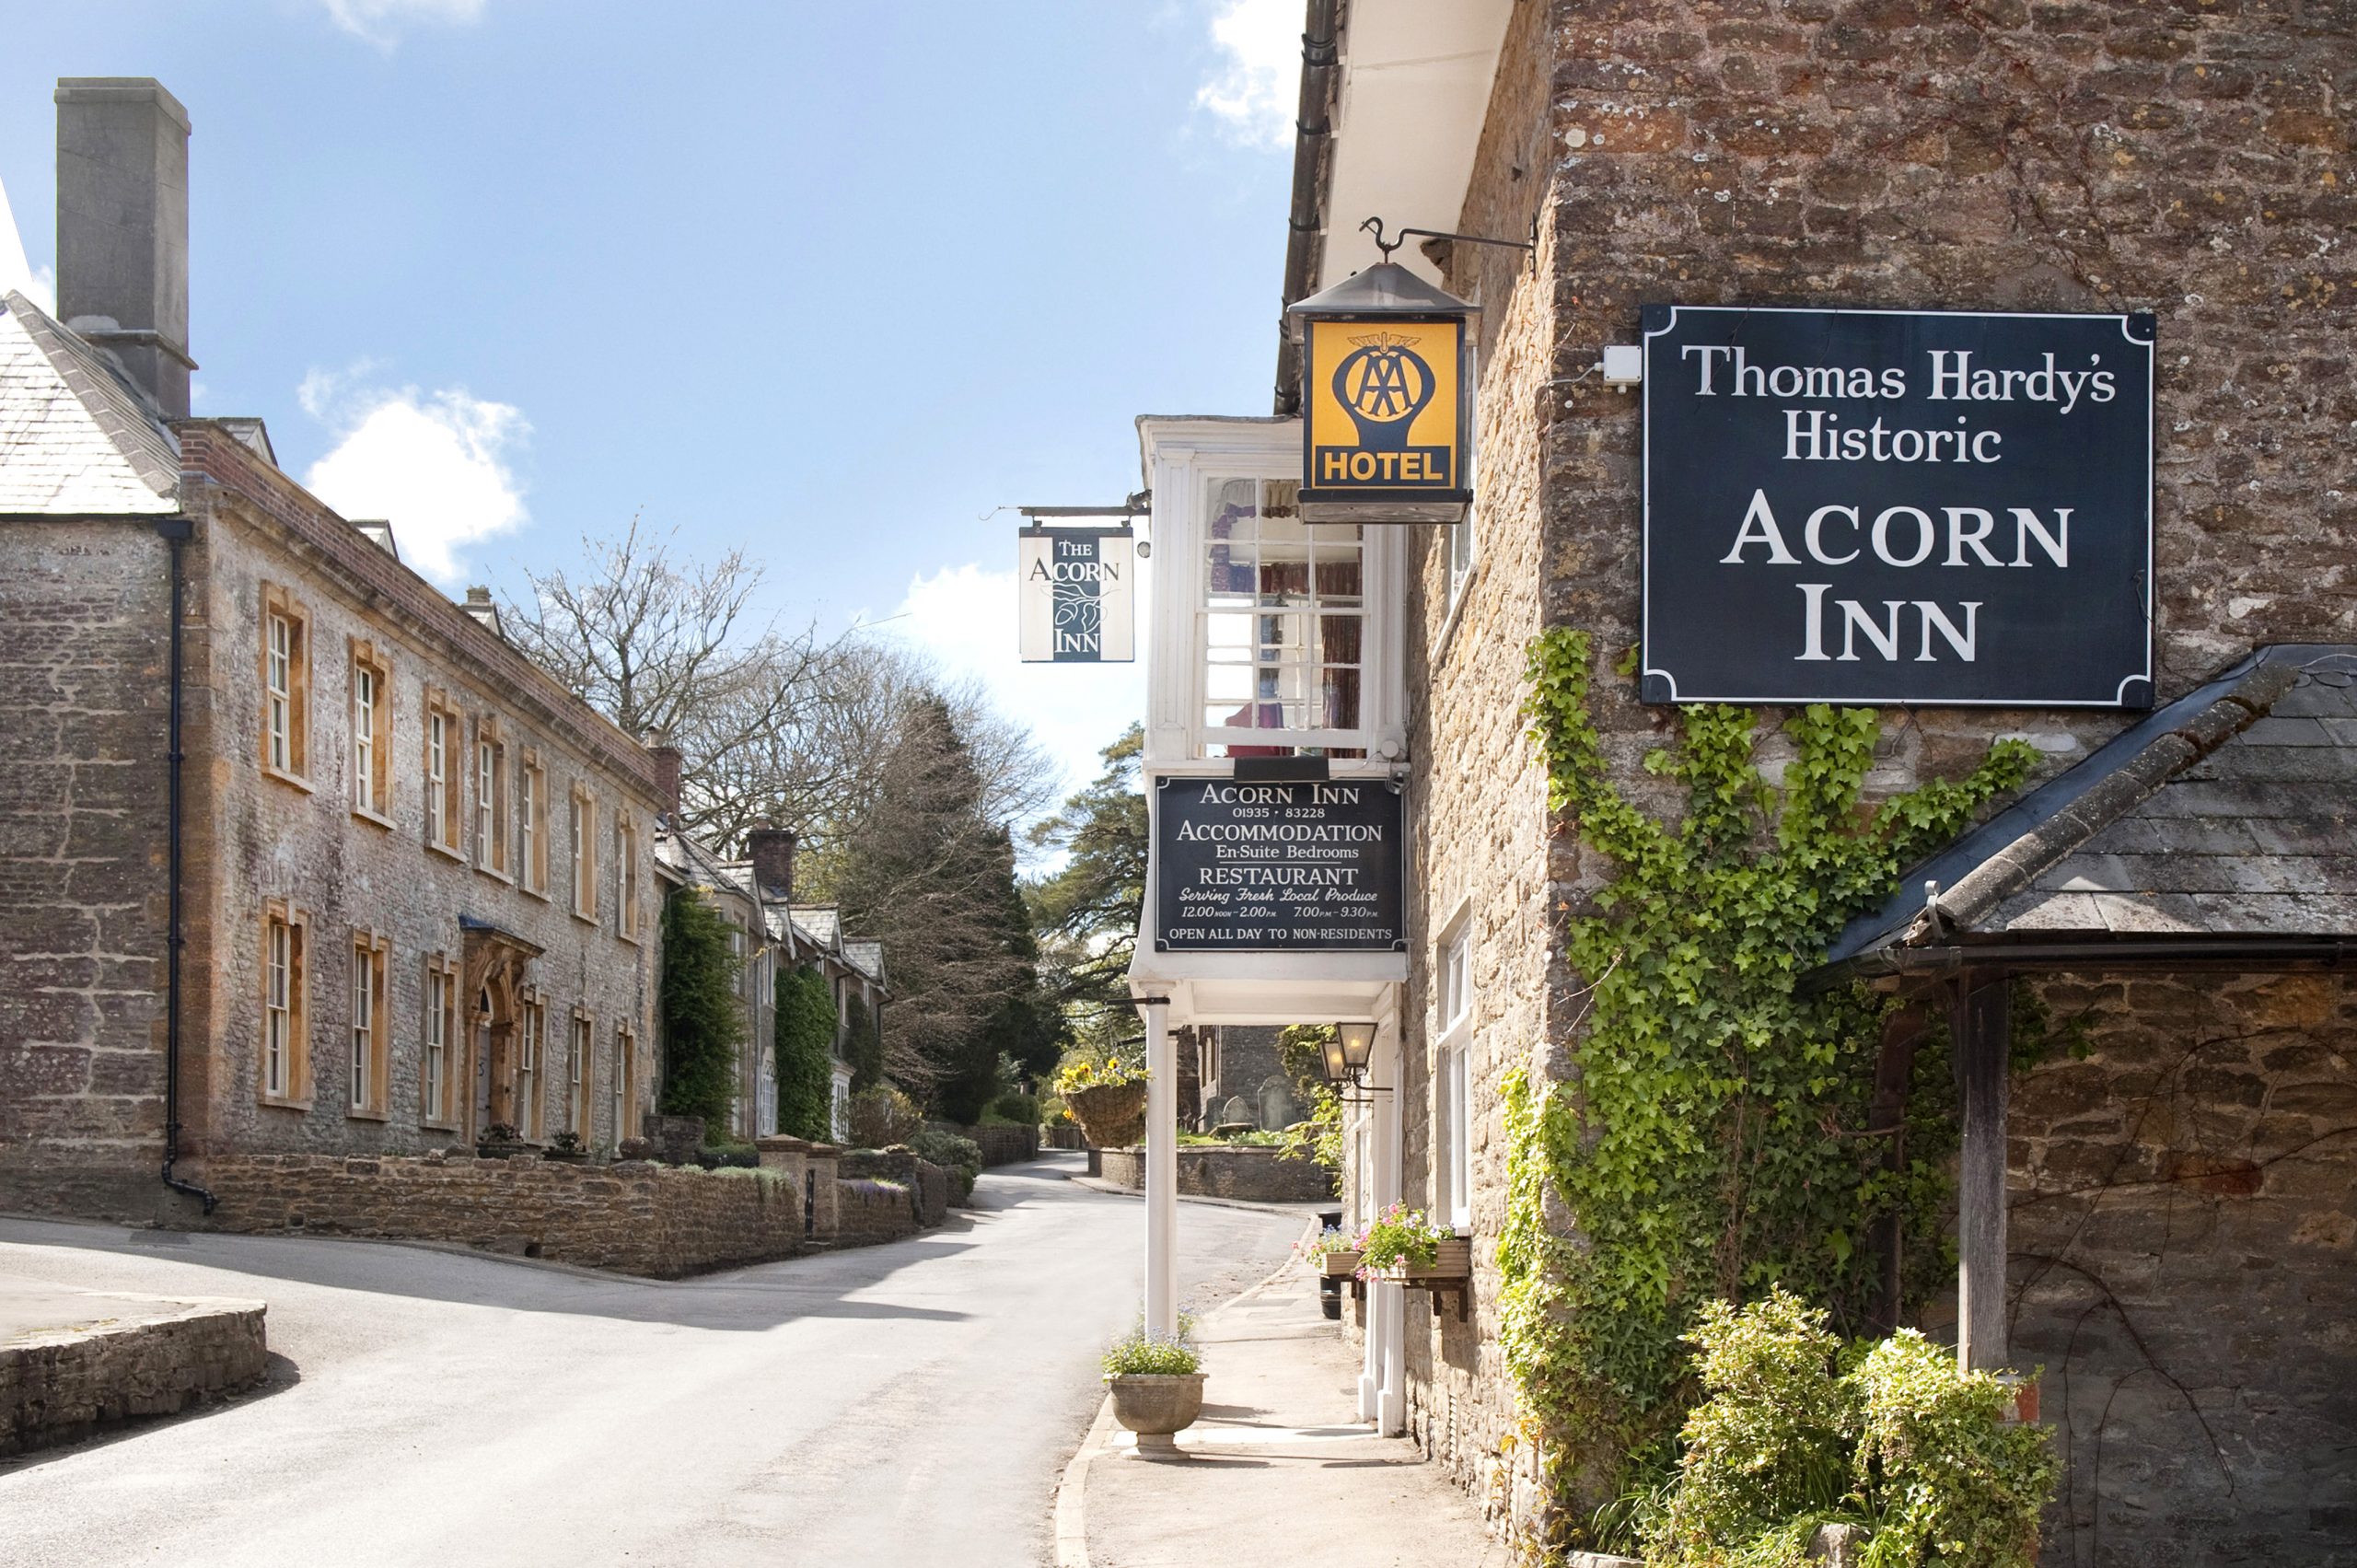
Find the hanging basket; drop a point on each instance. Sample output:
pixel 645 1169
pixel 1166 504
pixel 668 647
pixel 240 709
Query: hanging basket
pixel 1111 1115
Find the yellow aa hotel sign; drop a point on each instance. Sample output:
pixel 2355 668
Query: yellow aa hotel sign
pixel 1384 419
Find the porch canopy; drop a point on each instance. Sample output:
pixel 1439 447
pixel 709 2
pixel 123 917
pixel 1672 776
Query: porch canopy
pixel 2219 833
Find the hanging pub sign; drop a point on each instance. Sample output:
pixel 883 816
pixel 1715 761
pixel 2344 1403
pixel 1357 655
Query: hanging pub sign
pixel 1281 867
pixel 1078 592
pixel 1898 506
pixel 1385 401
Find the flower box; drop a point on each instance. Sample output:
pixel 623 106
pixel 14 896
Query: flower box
pixel 1338 1265
pixel 1452 1259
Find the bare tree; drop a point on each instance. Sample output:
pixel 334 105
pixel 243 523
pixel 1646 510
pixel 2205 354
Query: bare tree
pixel 772 725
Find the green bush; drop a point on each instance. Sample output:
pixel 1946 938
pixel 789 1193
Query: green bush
pixel 883 1115
pixel 703 1019
pixel 805 1062
pixel 1903 1444
pixel 1952 1481
pixel 961 1157
pixel 1138 1352
pixel 1015 1108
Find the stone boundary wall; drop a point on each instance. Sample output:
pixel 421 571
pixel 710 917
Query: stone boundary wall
pixel 57 1385
pixel 873 1210
pixel 632 1217
pixel 1250 1174
pixel 928 1184
pixel 1005 1145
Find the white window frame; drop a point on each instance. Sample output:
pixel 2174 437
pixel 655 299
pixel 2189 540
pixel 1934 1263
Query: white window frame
pixel 576 1065
pixel 439 1027
pixel 1453 1080
pixel 626 918
pixel 625 1053
pixel 1307 738
pixel 437 777
pixel 532 1095
pixel 278 681
pixel 364 1024
pixel 364 698
pixel 527 827
pixel 486 803
pixel 278 1008
pixel 1185 457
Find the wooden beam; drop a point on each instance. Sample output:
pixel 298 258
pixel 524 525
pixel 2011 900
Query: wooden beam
pixel 1979 1020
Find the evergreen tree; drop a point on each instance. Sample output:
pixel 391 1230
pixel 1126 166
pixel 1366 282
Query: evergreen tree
pixel 703 1019
pixel 806 1067
pixel 1087 914
pixel 934 876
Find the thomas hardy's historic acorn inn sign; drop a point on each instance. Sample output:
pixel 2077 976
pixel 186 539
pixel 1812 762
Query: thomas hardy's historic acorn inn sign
pixel 1077 591
pixel 1898 507
pixel 1296 866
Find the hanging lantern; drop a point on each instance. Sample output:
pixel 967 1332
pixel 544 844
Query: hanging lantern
pixel 1387 388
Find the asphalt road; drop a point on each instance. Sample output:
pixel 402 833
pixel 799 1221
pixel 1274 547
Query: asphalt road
pixel 906 1404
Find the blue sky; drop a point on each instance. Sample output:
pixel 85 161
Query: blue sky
pixel 827 282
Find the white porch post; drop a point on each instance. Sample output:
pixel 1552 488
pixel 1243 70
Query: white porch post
pixel 1161 1168
pixel 1383 1378
pixel 1391 1320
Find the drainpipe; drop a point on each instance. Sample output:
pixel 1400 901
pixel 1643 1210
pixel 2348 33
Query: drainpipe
pixel 175 531
pixel 1305 242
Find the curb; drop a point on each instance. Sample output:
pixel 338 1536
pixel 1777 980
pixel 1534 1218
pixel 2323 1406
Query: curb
pixel 1097 1184
pixel 1072 1488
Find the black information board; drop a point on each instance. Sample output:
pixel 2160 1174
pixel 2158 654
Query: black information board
pixel 1901 506
pixel 1278 867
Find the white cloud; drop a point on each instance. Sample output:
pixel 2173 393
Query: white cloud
pixel 434 463
pixel 966 618
pixel 1258 87
pixel 380 22
pixel 39 285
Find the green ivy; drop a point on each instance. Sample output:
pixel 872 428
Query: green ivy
pixel 1706 1145
pixel 703 1019
pixel 805 1067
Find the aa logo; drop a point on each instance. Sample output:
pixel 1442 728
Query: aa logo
pixel 1383 385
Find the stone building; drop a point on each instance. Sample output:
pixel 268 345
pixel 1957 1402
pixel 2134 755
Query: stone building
pixel 300 856
pixel 2175 882
pixel 772 936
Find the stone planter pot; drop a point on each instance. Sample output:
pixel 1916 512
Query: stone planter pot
pixel 1111 1115
pixel 1156 1405
pixel 1338 1265
pixel 505 1150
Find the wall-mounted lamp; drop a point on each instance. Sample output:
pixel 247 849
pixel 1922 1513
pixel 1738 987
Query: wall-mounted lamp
pixel 1344 1057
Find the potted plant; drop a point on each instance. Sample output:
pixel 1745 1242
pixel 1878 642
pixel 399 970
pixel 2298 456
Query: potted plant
pixel 1156 1383
pixel 1107 1098
pixel 1405 1244
pixel 500 1141
pixel 566 1146
pixel 1334 1254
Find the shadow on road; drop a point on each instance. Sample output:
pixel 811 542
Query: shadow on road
pixel 278 1376
pixel 750 1299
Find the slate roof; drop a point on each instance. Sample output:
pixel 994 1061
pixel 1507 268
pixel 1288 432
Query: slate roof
pixel 820 923
pixel 2231 812
pixel 76 439
pixel 867 957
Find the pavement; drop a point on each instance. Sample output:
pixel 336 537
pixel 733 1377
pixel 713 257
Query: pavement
pixel 1278 1468
pixel 31 1310
pixel 907 1403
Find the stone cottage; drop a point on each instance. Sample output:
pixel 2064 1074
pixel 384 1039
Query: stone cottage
pixel 2166 1220
pixel 772 936
pixel 301 857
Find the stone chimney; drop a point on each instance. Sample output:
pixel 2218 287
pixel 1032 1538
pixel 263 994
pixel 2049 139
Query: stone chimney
pixel 478 607
pixel 772 852
pixel 667 764
pixel 122 228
